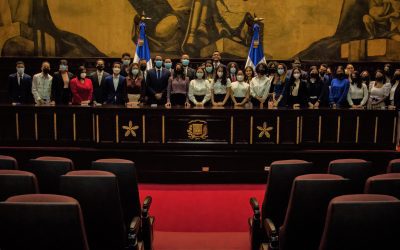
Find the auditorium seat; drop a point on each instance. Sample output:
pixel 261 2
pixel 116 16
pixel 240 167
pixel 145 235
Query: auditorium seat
pixel 388 184
pixel 305 215
pixel 8 162
pixel 394 166
pixel 48 170
pixel 356 170
pixel 129 191
pixel 280 178
pixel 97 192
pixel 41 221
pixel 17 182
pixel 362 221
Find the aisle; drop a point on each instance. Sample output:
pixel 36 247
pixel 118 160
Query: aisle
pixel 201 217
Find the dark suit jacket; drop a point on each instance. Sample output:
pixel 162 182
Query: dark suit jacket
pixel 20 93
pixel 115 96
pixel 58 93
pixel 301 98
pixel 191 73
pixel 156 85
pixel 98 88
pixel 397 97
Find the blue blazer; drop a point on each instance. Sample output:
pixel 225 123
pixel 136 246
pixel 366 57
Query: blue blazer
pixel 20 93
pixel 113 96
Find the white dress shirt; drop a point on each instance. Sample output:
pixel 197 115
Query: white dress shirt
pixel 259 87
pixel 393 90
pixel 240 89
pixel 115 81
pixel 357 93
pixel 41 86
pixel 99 76
pixel 219 88
pixel 20 77
pixel 199 87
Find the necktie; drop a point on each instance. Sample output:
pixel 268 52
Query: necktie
pixel 158 74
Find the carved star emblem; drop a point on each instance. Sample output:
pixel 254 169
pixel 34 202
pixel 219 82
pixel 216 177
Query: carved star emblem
pixel 264 130
pixel 130 129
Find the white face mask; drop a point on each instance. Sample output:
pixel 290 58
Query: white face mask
pixel 83 75
pixel 240 78
pixel 220 74
pixel 116 70
pixel 20 70
pixel 135 71
pixel 296 75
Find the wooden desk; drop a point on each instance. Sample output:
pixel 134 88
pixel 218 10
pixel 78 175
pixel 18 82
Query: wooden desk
pixel 158 137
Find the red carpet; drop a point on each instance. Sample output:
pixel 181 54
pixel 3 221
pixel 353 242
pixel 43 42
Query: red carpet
pixel 202 208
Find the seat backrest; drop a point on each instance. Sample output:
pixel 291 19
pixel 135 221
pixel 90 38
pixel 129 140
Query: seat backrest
pixel 308 203
pixel 48 170
pixel 127 183
pixel 362 221
pixel 38 221
pixel 97 193
pixel 394 166
pixel 279 185
pixel 388 184
pixel 17 182
pixel 8 162
pixel 356 170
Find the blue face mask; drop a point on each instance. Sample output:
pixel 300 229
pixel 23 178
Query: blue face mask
pixel 209 69
pixel 158 64
pixel 233 70
pixel 168 65
pixel 185 62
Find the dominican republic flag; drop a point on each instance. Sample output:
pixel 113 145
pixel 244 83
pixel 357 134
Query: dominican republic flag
pixel 256 52
pixel 142 47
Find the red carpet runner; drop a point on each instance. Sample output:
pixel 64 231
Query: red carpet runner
pixel 201 216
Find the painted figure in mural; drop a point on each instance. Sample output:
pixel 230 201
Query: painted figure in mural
pixel 190 26
pixel 383 19
pixel 27 29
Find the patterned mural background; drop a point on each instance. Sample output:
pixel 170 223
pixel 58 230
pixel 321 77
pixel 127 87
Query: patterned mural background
pixel 359 30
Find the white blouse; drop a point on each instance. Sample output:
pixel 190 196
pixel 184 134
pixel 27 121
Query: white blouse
pixel 199 87
pixel 378 94
pixel 393 90
pixel 240 89
pixel 219 88
pixel 357 93
pixel 259 87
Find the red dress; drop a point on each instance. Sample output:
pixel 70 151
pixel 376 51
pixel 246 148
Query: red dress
pixel 81 91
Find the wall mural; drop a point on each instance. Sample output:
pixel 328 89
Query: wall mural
pixel 327 30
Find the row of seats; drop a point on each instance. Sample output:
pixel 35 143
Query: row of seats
pixel 301 209
pixel 97 209
pixel 345 208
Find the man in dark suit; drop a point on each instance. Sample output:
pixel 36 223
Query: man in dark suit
pixel 157 83
pixel 98 78
pixel 126 61
pixel 188 71
pixel 20 86
pixel 115 87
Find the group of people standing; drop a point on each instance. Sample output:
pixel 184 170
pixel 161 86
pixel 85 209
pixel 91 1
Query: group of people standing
pixel 211 83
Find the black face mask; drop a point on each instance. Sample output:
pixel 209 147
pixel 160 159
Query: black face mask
pixel 272 71
pixel 354 79
pixel 340 75
pixel 322 73
pixel 397 77
pixel 100 67
pixel 364 79
pixel 261 71
pixel 379 79
pixel 313 75
pixel 178 71
pixel 143 67
pixel 46 70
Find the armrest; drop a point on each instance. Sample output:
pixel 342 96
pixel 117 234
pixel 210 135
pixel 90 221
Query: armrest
pixel 146 206
pixel 256 208
pixel 272 233
pixel 133 233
